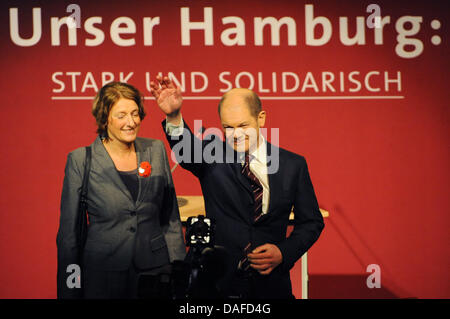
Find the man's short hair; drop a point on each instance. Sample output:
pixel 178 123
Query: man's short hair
pixel 252 100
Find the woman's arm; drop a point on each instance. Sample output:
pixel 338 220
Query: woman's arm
pixel 66 239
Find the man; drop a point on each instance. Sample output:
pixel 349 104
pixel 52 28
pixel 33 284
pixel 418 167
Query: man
pixel 249 200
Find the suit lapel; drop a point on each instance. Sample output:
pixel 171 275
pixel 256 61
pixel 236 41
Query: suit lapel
pixel 234 160
pixel 143 155
pixel 237 169
pixel 275 182
pixel 108 169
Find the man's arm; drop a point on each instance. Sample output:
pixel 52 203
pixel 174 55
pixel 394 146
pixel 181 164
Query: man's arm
pixel 187 148
pixel 308 221
pixel 308 224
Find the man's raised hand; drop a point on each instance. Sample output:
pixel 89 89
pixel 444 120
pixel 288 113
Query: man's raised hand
pixel 167 95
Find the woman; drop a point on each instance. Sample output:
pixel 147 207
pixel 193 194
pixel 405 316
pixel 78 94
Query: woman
pixel 134 230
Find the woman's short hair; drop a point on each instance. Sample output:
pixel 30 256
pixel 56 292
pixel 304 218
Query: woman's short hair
pixel 108 95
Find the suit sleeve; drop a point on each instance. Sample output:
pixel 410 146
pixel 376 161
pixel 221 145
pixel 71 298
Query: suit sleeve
pixel 308 221
pixel 66 242
pixel 188 149
pixel 170 216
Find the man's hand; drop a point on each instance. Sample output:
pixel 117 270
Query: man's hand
pixel 167 95
pixel 265 258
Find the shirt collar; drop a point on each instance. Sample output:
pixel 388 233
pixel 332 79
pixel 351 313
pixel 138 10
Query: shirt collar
pixel 260 153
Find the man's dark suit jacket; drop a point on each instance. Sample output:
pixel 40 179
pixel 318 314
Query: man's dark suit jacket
pixel 229 201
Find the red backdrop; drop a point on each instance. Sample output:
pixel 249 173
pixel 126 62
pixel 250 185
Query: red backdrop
pixel 371 118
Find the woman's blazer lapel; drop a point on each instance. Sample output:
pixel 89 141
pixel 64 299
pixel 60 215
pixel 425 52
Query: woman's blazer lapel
pixel 143 155
pixel 107 169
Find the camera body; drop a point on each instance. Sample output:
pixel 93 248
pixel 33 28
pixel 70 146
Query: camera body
pixel 199 274
pixel 199 232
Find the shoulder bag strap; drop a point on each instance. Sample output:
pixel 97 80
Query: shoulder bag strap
pixel 82 208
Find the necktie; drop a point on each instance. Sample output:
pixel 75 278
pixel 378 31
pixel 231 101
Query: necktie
pixel 257 189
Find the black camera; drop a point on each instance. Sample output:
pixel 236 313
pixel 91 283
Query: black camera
pixel 199 232
pixel 205 263
pixel 199 275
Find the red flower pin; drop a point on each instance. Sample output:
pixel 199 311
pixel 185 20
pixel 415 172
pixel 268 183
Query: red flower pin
pixel 145 169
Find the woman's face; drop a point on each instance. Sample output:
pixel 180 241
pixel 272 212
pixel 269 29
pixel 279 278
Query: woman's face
pixel 124 121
